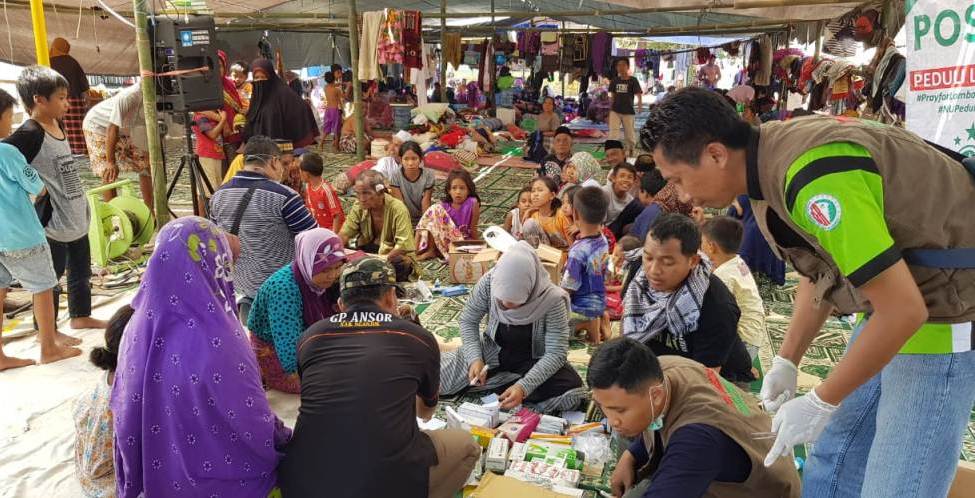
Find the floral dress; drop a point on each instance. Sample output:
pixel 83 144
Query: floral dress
pixel 444 224
pixel 93 453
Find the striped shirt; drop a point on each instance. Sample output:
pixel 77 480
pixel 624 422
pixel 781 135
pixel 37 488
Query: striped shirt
pixel 267 228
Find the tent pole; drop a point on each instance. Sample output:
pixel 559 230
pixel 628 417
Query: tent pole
pixel 156 165
pixel 561 58
pixel 443 51
pixel 40 32
pixel 360 149
pixel 819 39
pixel 493 77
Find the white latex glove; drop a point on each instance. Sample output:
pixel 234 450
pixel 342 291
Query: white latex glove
pixel 798 421
pixel 779 384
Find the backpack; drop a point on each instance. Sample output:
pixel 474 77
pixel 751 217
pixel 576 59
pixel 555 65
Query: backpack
pixel 535 148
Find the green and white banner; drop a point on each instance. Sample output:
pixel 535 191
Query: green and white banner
pixel 941 72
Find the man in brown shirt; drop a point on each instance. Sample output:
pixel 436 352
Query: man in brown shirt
pixel 694 430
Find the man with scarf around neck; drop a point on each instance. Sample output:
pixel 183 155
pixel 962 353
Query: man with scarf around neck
pixel 693 432
pixel 676 306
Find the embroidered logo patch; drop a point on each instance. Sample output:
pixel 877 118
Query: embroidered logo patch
pixel 824 211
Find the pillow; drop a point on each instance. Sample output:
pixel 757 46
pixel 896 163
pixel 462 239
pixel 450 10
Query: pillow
pixel 356 170
pixel 440 161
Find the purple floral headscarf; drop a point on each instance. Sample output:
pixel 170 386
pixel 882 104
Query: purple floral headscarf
pixel 190 415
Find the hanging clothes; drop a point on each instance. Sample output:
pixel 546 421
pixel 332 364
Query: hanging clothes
pixel 601 51
pixel 568 49
pixel 763 77
pixel 485 67
pixel 390 39
pixel 420 76
pixel 372 22
pixel 550 43
pixel 839 36
pixel 412 39
pixel 529 43
pixel 580 51
pixel 452 53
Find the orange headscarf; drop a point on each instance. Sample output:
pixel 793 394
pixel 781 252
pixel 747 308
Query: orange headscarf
pixel 60 46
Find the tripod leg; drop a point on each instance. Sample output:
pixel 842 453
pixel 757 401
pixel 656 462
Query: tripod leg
pixel 206 189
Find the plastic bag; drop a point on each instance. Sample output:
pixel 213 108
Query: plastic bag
pixel 594 446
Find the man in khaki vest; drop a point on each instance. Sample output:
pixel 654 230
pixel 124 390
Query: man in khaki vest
pixel 695 433
pixel 879 223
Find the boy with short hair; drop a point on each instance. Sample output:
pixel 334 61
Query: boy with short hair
pixel 321 199
pixel 585 272
pixel 651 183
pixel 334 98
pixel 615 154
pixel 720 239
pixel 24 252
pixel 65 216
pixel 624 88
pixel 619 183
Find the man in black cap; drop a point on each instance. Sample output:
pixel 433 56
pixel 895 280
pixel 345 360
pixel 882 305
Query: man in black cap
pixel 366 375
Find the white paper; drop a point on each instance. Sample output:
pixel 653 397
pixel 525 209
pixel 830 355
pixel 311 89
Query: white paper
pixel 435 424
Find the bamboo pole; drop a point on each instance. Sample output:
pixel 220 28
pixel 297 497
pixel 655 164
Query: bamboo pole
pixel 40 32
pixel 360 139
pixel 156 165
pixel 443 51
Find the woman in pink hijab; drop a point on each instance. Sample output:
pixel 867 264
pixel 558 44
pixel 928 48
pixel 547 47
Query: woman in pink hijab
pixel 293 299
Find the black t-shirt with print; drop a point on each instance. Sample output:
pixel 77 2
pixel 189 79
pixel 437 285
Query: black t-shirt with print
pixel 715 343
pixel 624 90
pixel 356 433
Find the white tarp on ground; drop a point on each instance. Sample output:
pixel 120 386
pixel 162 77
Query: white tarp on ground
pixel 37 414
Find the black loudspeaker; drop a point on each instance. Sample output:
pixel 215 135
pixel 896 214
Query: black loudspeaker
pixel 182 44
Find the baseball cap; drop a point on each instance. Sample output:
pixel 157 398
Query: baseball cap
pixel 370 270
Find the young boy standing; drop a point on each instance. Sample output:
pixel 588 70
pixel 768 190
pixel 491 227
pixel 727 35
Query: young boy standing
pixel 334 98
pixel 24 253
pixel 624 88
pixel 585 271
pixel 65 218
pixel 720 238
pixel 321 199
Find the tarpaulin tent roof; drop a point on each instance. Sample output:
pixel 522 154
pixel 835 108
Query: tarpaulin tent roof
pixel 104 45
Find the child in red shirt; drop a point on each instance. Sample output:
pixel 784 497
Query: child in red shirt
pixel 320 197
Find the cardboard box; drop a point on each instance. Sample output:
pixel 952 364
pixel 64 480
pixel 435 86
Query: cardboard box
pixel 552 259
pixel 495 486
pixel 460 260
pixel 497 455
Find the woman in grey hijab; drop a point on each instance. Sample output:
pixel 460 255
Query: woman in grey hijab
pixel 521 355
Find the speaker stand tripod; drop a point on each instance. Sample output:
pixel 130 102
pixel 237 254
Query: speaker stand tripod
pixel 200 188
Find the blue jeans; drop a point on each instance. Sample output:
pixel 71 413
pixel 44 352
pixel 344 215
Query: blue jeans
pixel 899 434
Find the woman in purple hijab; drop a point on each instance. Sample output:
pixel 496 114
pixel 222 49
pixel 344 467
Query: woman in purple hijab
pixel 291 300
pixel 190 415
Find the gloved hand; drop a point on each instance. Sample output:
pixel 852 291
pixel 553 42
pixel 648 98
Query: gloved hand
pixel 779 384
pixel 798 421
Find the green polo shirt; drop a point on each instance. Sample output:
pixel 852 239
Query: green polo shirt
pixel 834 193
